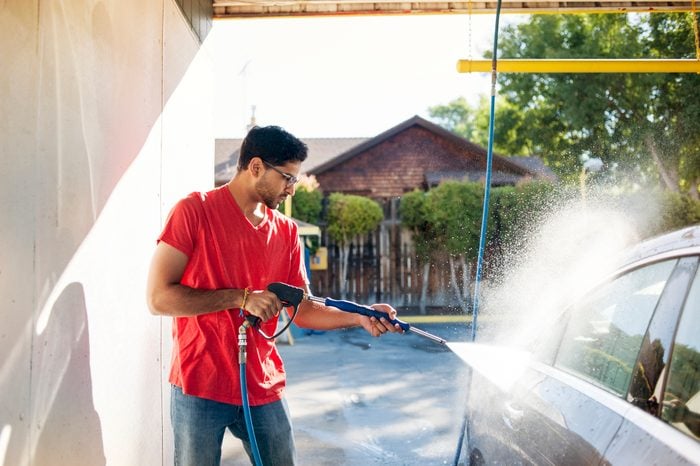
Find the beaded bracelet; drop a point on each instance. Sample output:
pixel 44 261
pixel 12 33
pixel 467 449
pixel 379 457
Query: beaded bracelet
pixel 245 297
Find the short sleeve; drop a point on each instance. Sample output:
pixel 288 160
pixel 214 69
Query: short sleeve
pixel 182 225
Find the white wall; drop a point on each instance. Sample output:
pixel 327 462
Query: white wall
pixel 105 120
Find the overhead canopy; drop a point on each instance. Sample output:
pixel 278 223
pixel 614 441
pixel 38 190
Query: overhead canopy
pixel 268 8
pixel 307 229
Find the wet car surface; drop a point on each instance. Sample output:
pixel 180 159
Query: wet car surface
pixel 616 383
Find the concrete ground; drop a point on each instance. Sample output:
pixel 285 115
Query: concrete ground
pixel 357 400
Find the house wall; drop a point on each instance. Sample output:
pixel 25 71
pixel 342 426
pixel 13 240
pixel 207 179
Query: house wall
pixel 103 104
pixel 398 165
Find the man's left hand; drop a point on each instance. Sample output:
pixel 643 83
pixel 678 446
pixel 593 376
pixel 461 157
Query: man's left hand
pixel 377 327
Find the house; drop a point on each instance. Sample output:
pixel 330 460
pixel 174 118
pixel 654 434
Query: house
pixel 414 154
pixel 418 154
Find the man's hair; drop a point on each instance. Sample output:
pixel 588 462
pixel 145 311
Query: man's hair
pixel 272 144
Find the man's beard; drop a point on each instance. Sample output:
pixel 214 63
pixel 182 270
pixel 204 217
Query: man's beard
pixel 267 195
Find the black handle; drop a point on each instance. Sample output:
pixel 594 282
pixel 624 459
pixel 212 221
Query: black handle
pixel 288 294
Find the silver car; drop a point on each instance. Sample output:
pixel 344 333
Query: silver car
pixel 618 384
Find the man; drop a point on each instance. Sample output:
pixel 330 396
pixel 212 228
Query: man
pixel 215 257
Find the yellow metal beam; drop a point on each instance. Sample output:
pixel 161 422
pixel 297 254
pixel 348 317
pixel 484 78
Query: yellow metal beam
pixel 510 65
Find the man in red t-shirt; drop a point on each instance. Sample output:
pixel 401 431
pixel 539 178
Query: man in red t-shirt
pixel 215 257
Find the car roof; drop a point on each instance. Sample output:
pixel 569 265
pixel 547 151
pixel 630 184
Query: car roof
pixel 676 243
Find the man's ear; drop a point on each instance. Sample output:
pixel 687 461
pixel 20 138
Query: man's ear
pixel 255 166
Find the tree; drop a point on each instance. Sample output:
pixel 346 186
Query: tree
pixel 415 217
pixel 472 123
pixel 644 126
pixel 308 201
pixel 350 216
pixel 456 209
pixel 447 221
pixel 516 210
pixel 457 116
pixel 675 148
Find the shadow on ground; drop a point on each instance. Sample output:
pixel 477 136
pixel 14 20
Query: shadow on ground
pixel 358 400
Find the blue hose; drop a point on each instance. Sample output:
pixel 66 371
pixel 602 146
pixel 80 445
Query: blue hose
pixel 248 419
pixel 246 405
pixel 487 182
pixel 485 212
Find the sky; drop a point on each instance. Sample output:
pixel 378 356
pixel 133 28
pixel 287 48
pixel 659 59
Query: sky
pixel 344 76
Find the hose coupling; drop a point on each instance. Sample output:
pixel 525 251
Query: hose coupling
pixel 243 342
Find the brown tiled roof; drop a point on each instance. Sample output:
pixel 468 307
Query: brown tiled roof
pixel 523 168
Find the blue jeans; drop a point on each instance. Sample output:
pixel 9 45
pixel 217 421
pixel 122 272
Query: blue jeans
pixel 199 425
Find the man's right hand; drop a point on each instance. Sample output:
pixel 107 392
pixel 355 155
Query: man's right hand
pixel 263 304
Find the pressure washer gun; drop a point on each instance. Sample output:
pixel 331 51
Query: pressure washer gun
pixel 292 296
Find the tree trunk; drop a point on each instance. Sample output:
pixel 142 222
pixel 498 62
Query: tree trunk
pixel 670 175
pixel 424 287
pixel 453 281
pixel 693 192
pixel 466 282
pixel 343 275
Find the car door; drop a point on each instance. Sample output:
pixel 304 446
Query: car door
pixel 568 412
pixel 662 425
pixel 580 399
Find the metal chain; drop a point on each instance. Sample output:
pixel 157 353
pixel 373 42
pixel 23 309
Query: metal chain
pixel 469 29
pixel 696 30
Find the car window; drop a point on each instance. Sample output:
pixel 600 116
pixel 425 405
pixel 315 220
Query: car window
pixel 681 403
pixel 605 332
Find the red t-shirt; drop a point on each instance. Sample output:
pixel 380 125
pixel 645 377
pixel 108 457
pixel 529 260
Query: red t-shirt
pixel 226 251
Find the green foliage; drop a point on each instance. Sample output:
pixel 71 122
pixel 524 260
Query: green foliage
pixel 472 123
pixel 679 210
pixel 414 215
pixel 641 125
pixel 457 116
pixel 446 219
pixel 515 210
pixel 454 210
pixel 307 204
pixel 685 364
pixel 350 215
pixel 657 211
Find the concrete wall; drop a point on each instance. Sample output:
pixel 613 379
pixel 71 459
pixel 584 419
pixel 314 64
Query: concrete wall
pixel 105 120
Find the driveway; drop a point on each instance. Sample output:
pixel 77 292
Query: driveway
pixel 357 400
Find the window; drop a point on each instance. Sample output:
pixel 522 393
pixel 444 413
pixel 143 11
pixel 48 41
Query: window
pixel 605 332
pixel 681 403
